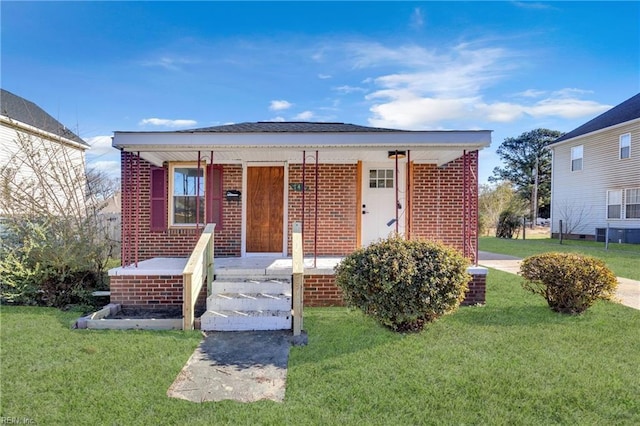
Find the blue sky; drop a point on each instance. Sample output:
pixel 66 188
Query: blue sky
pixel 509 67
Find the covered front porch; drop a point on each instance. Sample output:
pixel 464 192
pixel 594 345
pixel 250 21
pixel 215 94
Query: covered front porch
pixel 348 186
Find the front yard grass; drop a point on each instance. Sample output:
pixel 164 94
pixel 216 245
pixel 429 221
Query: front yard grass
pixel 513 361
pixel 622 259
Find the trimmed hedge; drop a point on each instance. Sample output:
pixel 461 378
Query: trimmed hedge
pixel 570 283
pixel 404 284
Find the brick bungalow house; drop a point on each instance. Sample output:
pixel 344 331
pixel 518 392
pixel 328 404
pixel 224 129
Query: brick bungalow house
pixel 348 185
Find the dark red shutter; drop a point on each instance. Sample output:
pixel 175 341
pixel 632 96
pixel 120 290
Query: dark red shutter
pixel 158 208
pixel 214 196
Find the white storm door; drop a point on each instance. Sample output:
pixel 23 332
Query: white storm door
pixel 378 210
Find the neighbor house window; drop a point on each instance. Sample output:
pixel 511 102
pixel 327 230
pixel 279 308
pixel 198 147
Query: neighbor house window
pixel 632 203
pixel 187 195
pixel 625 146
pixel 614 204
pixel 576 158
pixel 381 178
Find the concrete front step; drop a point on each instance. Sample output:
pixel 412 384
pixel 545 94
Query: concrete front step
pixel 248 302
pixel 245 320
pixel 251 286
pixel 244 304
pixel 242 274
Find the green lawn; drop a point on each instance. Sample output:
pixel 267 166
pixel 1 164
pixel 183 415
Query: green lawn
pixel 512 361
pixel 623 259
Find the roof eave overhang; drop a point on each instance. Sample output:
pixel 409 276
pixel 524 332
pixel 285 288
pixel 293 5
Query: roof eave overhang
pixel 27 128
pixel 170 141
pixel 595 132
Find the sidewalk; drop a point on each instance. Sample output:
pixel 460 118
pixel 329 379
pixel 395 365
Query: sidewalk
pixel 628 292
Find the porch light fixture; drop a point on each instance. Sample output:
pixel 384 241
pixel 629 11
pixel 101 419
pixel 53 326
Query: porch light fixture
pixel 397 154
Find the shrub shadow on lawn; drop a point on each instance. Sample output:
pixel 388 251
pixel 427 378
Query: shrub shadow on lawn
pixel 246 349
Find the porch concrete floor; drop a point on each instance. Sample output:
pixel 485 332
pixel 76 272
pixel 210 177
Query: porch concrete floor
pixel 251 265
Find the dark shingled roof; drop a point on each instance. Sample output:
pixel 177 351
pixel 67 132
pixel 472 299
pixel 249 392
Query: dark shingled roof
pixel 27 112
pixel 289 127
pixel 626 111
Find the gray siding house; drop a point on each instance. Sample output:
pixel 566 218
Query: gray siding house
pixel 595 178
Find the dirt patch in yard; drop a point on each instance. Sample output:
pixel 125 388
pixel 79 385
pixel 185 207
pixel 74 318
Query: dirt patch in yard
pixel 130 313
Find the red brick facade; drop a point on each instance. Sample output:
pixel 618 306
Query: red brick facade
pixel 437 213
pixel 337 212
pixel 438 195
pixel 437 200
pixel 170 242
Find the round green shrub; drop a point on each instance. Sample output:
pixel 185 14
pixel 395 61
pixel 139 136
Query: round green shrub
pixel 509 223
pixel 569 282
pixel 403 284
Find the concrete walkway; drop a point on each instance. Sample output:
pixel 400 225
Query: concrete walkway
pixel 628 292
pixel 243 366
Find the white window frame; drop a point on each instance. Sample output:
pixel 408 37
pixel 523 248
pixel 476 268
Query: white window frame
pixel 636 201
pixel 172 195
pixel 625 142
pixel 577 153
pixel 382 178
pixel 615 202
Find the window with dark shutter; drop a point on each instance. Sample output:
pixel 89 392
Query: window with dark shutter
pixel 158 198
pixel 214 195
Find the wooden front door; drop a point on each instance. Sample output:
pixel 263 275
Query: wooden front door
pixel 265 206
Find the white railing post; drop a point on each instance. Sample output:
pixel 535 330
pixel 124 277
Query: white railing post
pixel 298 277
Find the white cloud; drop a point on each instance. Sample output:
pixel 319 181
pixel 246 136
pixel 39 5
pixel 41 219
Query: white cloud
pixel 324 76
pixel 571 92
pixel 436 88
pixel 566 108
pixel 278 119
pixel 100 145
pixel 279 105
pixel 408 111
pixel 414 112
pixel 346 89
pixel 501 112
pixel 532 5
pixel 168 63
pixel 417 18
pixel 531 93
pixel 305 115
pixel 167 122
pixel 110 167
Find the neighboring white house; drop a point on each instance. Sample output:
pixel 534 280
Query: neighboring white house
pixel 32 139
pixel 595 178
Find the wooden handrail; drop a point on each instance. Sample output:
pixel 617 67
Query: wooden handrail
pixel 298 277
pixel 198 269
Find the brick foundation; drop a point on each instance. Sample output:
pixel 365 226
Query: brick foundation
pixel 165 291
pixel 322 291
pixel 150 291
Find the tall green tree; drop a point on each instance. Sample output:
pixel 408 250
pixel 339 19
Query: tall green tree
pixel 527 165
